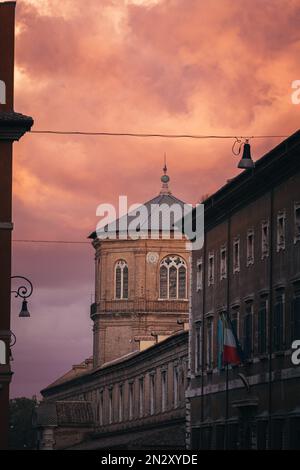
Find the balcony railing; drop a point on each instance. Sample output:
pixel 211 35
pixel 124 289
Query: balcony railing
pixel 123 306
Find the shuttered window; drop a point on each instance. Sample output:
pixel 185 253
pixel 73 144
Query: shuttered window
pixel 278 324
pixel 163 282
pixel 235 323
pixel 125 282
pixel 262 327
pixel 173 282
pixel 248 332
pixel 198 347
pixel 121 280
pixel 209 343
pixel 118 282
pixel 295 324
pixel 182 282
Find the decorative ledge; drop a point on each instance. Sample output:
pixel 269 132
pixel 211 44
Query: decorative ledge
pixel 6 226
pixel 14 125
pixel 247 403
pixel 144 338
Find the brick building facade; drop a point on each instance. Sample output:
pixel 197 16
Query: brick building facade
pixel 134 385
pixel 123 325
pixel 249 267
pixel 135 402
pixel 166 387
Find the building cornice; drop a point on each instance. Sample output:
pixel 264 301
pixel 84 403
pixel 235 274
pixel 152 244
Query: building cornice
pixel 273 168
pixel 14 125
pixel 140 357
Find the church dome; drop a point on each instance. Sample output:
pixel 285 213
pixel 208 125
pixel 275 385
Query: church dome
pixel 151 211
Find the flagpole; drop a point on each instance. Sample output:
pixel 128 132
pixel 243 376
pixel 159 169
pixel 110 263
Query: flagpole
pixel 227 407
pixel 227 307
pixel 202 340
pixel 270 329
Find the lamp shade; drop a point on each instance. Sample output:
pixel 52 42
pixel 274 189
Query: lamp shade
pixel 246 161
pixel 24 310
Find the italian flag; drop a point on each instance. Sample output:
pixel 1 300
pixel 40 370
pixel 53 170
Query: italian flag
pixel 231 348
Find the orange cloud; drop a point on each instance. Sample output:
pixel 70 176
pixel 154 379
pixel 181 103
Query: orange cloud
pixel 217 67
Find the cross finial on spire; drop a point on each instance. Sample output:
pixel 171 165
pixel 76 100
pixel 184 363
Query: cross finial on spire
pixel 165 165
pixel 165 178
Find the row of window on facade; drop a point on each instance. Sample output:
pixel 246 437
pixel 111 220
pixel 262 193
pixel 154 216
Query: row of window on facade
pixel 249 434
pixel 251 328
pixel 250 247
pixel 172 278
pixel 113 400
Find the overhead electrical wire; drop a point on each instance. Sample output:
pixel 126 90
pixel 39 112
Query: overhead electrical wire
pixel 70 242
pixel 138 135
pixel 159 135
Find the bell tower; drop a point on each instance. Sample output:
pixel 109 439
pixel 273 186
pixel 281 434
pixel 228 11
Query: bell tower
pixel 141 287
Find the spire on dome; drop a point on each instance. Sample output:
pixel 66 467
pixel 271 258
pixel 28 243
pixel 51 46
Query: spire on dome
pixel 165 179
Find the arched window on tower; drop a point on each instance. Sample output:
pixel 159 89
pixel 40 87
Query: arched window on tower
pixel 121 279
pixel 172 278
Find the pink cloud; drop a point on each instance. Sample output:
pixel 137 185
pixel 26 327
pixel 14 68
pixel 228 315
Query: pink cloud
pixel 218 67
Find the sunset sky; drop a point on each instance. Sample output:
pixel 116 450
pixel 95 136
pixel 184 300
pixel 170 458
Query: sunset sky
pixel 158 66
